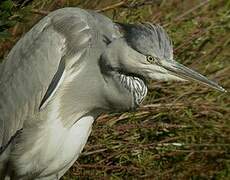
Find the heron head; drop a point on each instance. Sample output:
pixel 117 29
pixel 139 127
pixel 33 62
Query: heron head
pixel 148 53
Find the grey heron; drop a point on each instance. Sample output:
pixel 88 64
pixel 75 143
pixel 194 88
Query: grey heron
pixel 69 68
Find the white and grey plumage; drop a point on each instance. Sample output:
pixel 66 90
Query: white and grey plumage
pixel 68 69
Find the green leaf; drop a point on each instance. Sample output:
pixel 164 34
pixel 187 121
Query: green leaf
pixel 7 5
pixel 4 35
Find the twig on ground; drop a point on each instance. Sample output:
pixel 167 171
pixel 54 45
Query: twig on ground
pixel 93 152
pixel 128 127
pixel 113 6
pixel 106 167
pixel 40 12
pixel 125 4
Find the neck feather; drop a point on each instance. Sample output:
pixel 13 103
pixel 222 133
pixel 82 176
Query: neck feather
pixel 135 86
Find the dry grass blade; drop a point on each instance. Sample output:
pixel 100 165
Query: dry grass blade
pixel 113 6
pixel 183 15
pixel 40 12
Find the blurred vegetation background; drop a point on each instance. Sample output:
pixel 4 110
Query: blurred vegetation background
pixel 182 131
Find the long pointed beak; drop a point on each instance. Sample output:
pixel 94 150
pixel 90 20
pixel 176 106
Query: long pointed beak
pixel 183 72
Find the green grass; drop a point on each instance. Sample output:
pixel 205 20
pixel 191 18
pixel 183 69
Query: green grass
pixel 185 134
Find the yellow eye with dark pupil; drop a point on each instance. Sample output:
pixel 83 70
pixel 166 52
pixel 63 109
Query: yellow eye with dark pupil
pixel 150 59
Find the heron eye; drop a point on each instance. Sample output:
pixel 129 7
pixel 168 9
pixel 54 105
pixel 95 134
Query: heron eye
pixel 151 59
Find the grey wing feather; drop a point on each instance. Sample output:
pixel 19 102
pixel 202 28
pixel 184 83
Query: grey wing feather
pixel 54 84
pixel 32 69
